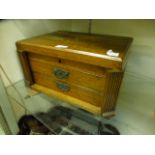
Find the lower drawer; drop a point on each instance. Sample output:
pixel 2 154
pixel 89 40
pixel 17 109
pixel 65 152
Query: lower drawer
pixel 82 93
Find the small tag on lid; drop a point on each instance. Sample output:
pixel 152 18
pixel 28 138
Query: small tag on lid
pixel 61 46
pixel 112 53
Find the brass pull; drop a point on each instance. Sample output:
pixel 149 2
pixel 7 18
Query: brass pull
pixel 63 86
pixel 61 73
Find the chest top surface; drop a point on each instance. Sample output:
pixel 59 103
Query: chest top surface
pixel 91 48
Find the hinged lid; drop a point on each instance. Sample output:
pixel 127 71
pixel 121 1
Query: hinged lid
pixel 102 50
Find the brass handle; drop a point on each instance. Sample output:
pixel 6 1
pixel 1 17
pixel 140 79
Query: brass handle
pixel 61 73
pixel 63 86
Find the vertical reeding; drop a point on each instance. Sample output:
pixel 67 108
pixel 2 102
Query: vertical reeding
pixel 111 94
pixel 89 26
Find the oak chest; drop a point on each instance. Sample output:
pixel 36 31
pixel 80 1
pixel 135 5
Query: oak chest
pixel 82 69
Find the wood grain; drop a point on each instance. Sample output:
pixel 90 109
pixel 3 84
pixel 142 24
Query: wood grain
pixel 74 101
pixel 79 76
pixel 26 68
pixel 81 93
pixel 90 49
pixel 94 77
pixel 113 83
pixel 82 67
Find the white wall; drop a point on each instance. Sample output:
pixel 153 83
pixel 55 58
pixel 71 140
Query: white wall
pixel 1 131
pixel 13 30
pixel 79 25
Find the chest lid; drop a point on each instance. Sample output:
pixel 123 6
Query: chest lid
pixel 101 50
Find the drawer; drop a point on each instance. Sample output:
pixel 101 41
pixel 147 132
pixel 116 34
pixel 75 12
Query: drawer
pixel 81 93
pixel 61 69
pixel 86 68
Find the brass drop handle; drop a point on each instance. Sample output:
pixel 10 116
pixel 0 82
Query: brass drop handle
pixel 61 73
pixel 63 86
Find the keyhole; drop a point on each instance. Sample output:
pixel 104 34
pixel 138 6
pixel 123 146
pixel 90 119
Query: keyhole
pixel 59 60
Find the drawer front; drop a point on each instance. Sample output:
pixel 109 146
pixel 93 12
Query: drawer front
pixel 71 74
pixel 86 68
pixel 81 93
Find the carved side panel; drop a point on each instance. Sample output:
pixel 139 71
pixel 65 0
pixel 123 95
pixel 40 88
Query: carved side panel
pixel 26 68
pixel 113 82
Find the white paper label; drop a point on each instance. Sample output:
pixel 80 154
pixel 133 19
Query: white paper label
pixel 112 53
pixel 61 46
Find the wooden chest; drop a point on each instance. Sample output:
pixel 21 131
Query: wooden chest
pixel 85 70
